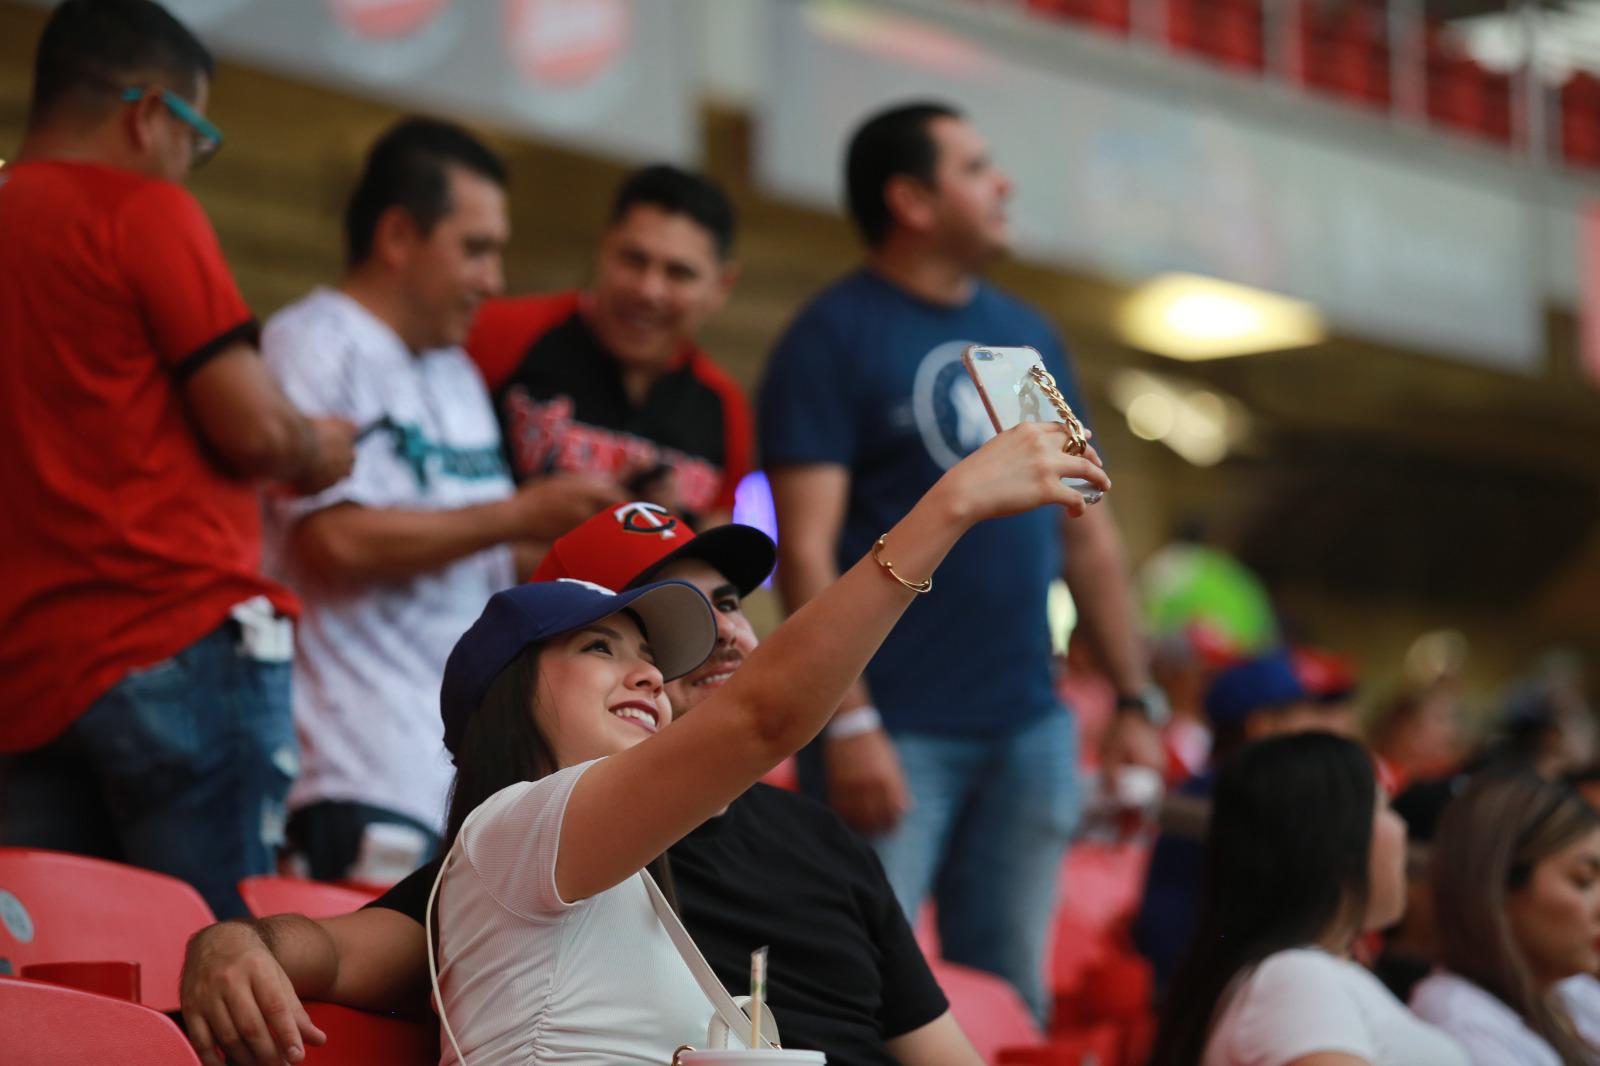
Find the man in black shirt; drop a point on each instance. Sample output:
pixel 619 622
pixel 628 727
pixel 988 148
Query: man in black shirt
pixel 847 977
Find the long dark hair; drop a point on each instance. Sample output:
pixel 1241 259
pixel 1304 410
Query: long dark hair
pixel 502 745
pixel 1286 867
pixel 1490 839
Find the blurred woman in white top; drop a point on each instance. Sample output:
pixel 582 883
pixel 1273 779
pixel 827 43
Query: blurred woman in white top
pixel 569 785
pixel 1517 899
pixel 1303 856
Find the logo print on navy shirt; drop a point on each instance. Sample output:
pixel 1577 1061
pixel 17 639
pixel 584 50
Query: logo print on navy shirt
pixel 949 413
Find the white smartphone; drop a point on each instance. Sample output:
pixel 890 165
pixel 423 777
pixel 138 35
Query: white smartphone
pixel 1012 394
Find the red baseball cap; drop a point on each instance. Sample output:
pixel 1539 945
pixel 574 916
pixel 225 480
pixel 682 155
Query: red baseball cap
pixel 628 545
pixel 1327 677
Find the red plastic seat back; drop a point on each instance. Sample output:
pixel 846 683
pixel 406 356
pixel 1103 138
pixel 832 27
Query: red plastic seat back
pixel 1099 1046
pixel 356 1038
pixel 1580 119
pixel 56 907
pixel 270 895
pixel 988 1009
pixel 43 1025
pixel 119 980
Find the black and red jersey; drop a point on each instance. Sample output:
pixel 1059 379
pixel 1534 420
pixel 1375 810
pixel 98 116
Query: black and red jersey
pixel 562 407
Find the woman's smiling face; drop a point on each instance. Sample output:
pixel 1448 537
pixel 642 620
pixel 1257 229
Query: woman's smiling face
pixel 599 691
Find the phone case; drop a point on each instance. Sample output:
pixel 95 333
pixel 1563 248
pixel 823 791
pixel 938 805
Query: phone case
pixel 1013 394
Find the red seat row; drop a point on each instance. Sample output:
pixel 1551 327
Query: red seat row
pixel 44 1024
pixel 1346 55
pixel 117 934
pixel 1580 120
pixel 98 947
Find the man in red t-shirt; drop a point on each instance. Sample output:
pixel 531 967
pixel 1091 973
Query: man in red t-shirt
pixel 609 382
pixel 144 663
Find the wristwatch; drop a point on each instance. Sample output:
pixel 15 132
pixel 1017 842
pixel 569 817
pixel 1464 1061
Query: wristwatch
pixel 1149 701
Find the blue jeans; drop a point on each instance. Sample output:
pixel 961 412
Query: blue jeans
pixel 986 837
pixel 182 767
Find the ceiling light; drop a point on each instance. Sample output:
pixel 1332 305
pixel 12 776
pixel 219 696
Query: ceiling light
pixel 1186 316
pixel 1151 415
pixel 1197 423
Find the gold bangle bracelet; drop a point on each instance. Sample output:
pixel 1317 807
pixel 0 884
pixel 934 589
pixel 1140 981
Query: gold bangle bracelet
pixel 919 587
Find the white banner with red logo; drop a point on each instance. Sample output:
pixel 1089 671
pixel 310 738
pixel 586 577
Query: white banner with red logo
pixel 612 76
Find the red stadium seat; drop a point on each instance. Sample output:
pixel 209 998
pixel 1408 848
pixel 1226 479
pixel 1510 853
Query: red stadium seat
pixel 1580 120
pixel 1346 55
pixel 1455 93
pixel 1184 22
pixel 356 1038
pixel 1106 15
pixel 1236 37
pixel 1463 95
pixel 1100 1046
pixel 295 895
pixel 988 1009
pixel 785 775
pixel 69 908
pixel 1225 32
pixel 119 980
pixel 45 1025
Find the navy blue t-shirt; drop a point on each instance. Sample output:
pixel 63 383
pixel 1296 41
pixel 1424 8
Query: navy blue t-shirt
pixel 870 377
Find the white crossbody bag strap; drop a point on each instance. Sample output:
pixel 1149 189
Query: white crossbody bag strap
pixel 731 1014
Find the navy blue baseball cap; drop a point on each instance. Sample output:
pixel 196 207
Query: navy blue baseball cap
pixel 677 621
pixel 1265 683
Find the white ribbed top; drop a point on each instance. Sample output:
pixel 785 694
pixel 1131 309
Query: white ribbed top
pixel 530 978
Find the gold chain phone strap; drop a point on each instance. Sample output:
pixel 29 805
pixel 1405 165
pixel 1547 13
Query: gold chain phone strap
pixel 1078 440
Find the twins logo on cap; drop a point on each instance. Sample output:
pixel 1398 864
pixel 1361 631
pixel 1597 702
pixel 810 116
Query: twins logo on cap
pixel 590 585
pixel 647 518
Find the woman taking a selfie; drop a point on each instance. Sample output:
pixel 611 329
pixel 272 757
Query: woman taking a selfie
pixel 568 785
pixel 1517 901
pixel 1303 857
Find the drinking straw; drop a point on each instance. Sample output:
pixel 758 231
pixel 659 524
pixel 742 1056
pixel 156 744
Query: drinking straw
pixel 758 993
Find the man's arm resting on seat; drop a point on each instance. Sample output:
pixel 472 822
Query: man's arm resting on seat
pixel 243 981
pixel 939 1043
pixel 865 783
pixel 243 414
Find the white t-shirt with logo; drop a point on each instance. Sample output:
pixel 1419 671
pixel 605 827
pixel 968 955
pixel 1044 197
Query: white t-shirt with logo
pixel 370 656
pixel 1305 1000
pixel 527 977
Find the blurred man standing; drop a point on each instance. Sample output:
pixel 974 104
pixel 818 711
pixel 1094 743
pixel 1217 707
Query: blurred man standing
pixel 144 668
pixel 396 561
pixel 953 755
pixel 609 382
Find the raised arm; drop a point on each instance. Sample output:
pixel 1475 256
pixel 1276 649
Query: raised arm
pixel 865 783
pixel 785 693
